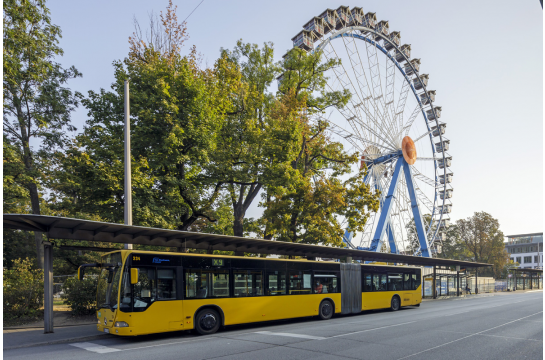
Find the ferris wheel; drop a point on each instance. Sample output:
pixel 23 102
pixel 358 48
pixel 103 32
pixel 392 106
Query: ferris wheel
pixel 391 120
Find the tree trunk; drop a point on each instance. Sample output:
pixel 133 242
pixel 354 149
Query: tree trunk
pixel 38 238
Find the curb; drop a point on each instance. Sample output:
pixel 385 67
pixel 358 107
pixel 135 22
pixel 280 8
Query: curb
pixel 41 327
pixel 61 341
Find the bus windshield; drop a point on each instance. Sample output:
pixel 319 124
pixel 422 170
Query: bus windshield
pixel 108 282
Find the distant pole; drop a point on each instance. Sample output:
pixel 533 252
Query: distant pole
pixel 128 183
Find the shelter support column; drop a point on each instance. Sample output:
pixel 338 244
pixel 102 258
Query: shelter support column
pixel 458 283
pixel 349 259
pixel 515 286
pixel 476 282
pixel 434 288
pixel 531 283
pixel 48 287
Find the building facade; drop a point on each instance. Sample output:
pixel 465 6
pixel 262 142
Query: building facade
pixel 526 250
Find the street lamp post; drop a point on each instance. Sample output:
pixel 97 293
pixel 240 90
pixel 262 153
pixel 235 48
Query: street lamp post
pixel 128 184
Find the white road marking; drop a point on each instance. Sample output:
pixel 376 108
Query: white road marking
pixel 310 337
pixel 382 327
pixel 465 337
pixel 504 337
pixel 94 347
pixel 534 291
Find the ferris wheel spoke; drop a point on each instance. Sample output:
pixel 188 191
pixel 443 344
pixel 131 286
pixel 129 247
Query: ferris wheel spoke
pixel 346 81
pixel 410 122
pixel 376 79
pixel 358 70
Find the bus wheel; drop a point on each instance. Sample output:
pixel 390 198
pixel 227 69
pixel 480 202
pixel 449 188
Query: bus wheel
pixel 207 321
pixel 417 305
pixel 395 303
pixel 326 310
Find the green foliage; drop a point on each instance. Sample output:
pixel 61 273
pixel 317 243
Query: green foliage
pixel 483 239
pixel 36 102
pixel 81 295
pixel 307 207
pixel 23 290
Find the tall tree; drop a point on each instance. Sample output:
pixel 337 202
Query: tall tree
pixel 37 103
pixel 308 210
pixel 177 111
pixel 483 239
pixel 259 137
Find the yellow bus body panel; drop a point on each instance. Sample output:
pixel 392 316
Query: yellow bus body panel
pixel 382 299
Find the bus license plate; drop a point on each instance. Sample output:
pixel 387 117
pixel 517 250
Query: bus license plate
pixel 106 330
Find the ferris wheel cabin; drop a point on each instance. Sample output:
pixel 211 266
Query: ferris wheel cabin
pixel 445 178
pixel 431 115
pixel 343 17
pixel 447 162
pixel 424 98
pixel 445 209
pixel 369 21
pixel 382 28
pixel 421 81
pixel 395 37
pixel 439 129
pixel 403 50
pixel 445 194
pixel 442 146
pixel 356 16
pixel 303 40
pixel 316 27
pixel 330 20
pixel 415 64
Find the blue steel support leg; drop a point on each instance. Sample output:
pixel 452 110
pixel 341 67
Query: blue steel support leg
pixel 416 211
pixel 391 239
pixel 386 208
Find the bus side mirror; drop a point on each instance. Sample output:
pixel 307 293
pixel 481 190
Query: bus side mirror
pixel 80 273
pixel 134 276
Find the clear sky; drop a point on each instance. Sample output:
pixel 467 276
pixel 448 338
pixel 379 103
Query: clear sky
pixel 485 59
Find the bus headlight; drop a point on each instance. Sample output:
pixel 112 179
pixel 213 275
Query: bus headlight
pixel 121 324
pixel 98 321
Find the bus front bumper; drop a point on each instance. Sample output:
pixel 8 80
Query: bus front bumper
pixel 123 331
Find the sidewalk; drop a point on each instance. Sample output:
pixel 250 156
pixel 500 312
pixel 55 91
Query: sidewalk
pixel 66 329
pixel 26 338
pixel 475 296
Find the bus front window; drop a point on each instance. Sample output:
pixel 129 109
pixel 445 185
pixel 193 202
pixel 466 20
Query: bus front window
pixel 108 282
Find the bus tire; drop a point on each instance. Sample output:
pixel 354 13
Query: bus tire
pixel 207 321
pixel 417 305
pixel 395 303
pixel 326 310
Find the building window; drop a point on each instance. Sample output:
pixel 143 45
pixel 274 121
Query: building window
pixel 518 260
pixel 527 259
pixel 536 258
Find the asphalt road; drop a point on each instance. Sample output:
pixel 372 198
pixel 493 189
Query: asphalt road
pixel 497 327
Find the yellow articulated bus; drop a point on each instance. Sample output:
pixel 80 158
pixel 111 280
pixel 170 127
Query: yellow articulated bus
pixel 144 292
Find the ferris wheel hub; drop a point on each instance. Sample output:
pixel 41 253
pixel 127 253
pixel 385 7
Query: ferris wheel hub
pixel 409 150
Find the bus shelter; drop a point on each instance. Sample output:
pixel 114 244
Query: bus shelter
pixel 77 229
pixel 525 279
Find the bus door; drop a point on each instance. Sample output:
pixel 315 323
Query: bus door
pixel 155 300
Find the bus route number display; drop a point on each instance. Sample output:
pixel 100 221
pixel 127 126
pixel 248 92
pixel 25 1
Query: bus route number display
pixel 217 262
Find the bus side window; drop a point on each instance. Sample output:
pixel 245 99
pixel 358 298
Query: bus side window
pixel 276 282
pixel 376 282
pixel 395 282
pixel 326 282
pixel 416 280
pixel 201 284
pixel 300 282
pixel 166 284
pixel 248 283
pixel 367 282
pixel 383 282
pixel 407 281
